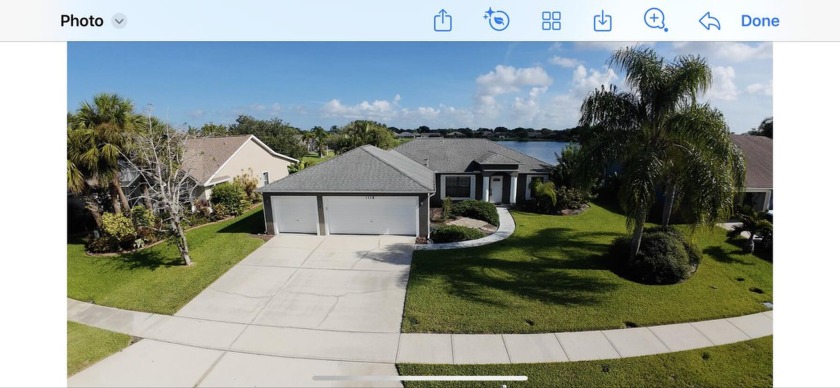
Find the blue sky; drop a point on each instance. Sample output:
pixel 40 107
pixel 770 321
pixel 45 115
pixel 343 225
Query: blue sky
pixel 400 84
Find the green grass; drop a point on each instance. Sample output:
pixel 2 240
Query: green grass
pixel 313 158
pixel 153 279
pixel 551 275
pixel 87 345
pixel 743 364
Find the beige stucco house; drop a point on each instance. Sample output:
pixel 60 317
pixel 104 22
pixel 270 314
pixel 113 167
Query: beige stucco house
pixel 214 160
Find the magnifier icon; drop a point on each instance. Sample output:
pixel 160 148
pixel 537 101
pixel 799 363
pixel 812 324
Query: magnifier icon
pixel 655 18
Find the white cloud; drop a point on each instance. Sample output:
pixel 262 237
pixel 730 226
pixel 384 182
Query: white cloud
pixel 507 79
pixel 196 113
pixel 376 110
pixel 723 85
pixel 586 80
pixel 564 62
pixel 760 88
pixel 727 51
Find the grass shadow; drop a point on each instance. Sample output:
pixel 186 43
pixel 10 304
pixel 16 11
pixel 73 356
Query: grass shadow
pixel 722 256
pixel 523 267
pixel 252 224
pixel 147 259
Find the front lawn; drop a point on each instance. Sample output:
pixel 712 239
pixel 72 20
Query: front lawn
pixel 551 276
pixel 743 364
pixel 153 279
pixel 86 345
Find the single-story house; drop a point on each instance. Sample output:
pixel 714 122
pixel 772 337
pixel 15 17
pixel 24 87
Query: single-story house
pixel 477 169
pixel 364 191
pixel 214 160
pixel 406 135
pixel 372 191
pixel 758 157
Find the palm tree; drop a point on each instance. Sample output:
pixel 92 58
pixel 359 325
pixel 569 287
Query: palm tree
pixel 664 140
pixel 320 136
pixel 752 222
pixel 99 133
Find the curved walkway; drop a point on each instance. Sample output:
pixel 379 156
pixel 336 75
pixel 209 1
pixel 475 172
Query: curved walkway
pixel 506 228
pixel 424 348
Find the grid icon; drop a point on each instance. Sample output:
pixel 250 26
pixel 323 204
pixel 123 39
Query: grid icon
pixel 551 20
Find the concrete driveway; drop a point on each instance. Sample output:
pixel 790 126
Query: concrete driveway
pixel 297 307
pixel 337 283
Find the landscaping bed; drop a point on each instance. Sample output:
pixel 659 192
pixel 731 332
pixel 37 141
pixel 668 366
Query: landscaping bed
pixel 552 275
pixel 153 279
pixel 743 364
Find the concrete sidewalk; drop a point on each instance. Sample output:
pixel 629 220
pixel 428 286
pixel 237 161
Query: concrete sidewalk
pixel 392 348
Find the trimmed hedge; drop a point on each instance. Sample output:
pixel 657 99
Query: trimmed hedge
pixel 665 257
pixel 455 233
pixel 479 210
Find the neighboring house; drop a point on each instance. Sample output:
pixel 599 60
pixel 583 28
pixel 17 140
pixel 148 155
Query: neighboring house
pixel 372 191
pixel 758 156
pixel 406 135
pixel 214 160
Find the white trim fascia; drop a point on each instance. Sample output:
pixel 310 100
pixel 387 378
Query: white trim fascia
pixel 443 186
pixel 259 143
pixel 272 152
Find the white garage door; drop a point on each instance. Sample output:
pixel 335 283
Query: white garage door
pixel 295 214
pixel 371 215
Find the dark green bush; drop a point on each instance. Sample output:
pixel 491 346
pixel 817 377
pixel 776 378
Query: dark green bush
pixel 446 208
pixel 103 244
pixel 479 210
pixel 665 257
pixel 454 233
pixel 571 198
pixel 545 195
pixel 231 196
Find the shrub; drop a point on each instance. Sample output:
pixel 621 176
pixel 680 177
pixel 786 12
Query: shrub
pixel 143 217
pixel 248 183
pixel 220 211
pixel 479 210
pixel 571 198
pixel 231 196
pixel 665 257
pixel 545 196
pixel 202 206
pixel 446 208
pixel 454 233
pixel 103 244
pixel 119 227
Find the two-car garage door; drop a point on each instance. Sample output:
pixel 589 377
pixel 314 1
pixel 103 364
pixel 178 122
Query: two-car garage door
pixel 347 214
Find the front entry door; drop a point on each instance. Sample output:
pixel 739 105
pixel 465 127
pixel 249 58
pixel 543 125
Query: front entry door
pixel 496 189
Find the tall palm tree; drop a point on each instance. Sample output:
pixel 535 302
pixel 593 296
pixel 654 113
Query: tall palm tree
pixel 100 131
pixel 320 136
pixel 664 140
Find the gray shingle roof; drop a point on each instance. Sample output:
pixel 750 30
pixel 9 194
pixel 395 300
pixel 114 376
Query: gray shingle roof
pixel 758 156
pixel 462 155
pixel 493 158
pixel 366 169
pixel 204 155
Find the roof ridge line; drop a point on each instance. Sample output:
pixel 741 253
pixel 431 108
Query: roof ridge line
pixel 404 173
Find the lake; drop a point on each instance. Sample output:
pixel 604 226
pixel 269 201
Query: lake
pixel 542 150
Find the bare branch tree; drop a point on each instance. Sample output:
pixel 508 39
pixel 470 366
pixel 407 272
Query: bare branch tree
pixel 159 157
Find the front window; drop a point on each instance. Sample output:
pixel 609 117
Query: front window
pixel 458 187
